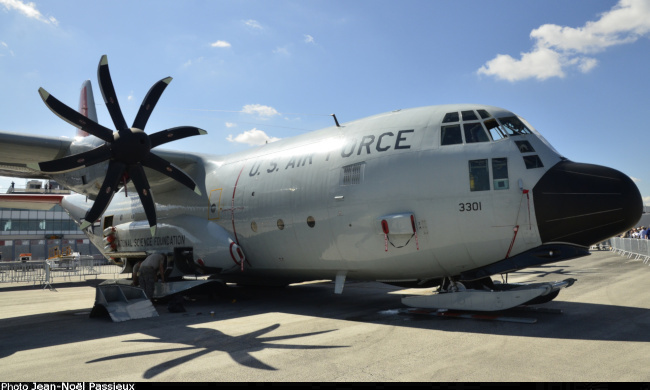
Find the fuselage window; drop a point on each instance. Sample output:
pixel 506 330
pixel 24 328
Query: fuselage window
pixel 495 131
pixel 474 133
pixel 533 162
pixel 450 117
pixel 484 114
pixel 500 173
pixel 525 146
pixel 479 175
pixel 514 126
pixel 450 135
pixel 469 115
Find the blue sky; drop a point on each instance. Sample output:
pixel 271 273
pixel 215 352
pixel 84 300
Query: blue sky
pixel 247 71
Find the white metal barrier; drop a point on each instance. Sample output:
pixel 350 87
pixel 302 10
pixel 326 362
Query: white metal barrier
pixel 68 269
pixel 632 247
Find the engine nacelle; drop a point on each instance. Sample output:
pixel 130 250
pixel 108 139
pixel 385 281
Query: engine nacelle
pixel 206 247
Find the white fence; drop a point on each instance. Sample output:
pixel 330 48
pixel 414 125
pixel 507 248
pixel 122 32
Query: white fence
pixel 67 269
pixel 632 247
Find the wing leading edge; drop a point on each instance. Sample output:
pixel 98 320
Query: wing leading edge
pixel 19 150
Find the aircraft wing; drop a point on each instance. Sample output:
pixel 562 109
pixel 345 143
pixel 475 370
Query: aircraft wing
pixel 17 150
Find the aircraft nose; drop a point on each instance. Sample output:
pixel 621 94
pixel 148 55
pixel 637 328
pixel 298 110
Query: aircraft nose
pixel 584 204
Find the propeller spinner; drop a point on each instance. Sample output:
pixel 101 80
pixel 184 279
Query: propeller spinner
pixel 127 149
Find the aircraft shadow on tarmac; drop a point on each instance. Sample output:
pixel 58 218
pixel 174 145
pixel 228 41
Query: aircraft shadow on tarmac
pixel 361 302
pixel 211 340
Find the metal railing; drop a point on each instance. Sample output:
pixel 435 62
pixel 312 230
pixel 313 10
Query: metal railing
pixel 44 272
pixel 632 247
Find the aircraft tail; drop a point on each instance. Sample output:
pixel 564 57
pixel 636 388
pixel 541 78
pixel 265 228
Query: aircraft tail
pixel 87 105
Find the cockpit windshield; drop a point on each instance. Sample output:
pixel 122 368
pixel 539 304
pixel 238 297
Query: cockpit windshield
pixel 474 127
pixel 513 126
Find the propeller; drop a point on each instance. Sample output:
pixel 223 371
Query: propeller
pixel 127 150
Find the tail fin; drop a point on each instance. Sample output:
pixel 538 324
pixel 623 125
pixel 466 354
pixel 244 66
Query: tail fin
pixel 87 105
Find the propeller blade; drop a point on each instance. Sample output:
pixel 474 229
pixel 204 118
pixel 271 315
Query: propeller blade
pixel 139 179
pixel 110 97
pixel 76 161
pixel 166 168
pixel 113 176
pixel 150 102
pixel 173 134
pixel 75 118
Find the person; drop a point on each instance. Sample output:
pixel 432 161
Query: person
pixel 136 274
pixel 152 265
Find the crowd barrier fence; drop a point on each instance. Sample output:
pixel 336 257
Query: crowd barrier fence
pixel 43 272
pixel 636 248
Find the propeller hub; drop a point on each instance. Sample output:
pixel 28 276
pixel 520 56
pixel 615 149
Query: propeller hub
pixel 130 146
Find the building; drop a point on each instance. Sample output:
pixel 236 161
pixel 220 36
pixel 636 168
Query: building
pixel 40 232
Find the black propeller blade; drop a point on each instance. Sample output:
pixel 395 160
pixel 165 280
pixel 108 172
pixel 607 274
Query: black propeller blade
pixel 173 134
pixel 127 151
pixel 76 161
pixel 113 175
pixel 166 168
pixel 75 118
pixel 144 191
pixel 110 97
pixel 149 103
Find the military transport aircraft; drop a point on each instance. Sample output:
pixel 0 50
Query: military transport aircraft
pixel 440 196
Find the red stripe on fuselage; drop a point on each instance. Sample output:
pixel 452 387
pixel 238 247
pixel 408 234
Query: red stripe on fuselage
pixel 232 209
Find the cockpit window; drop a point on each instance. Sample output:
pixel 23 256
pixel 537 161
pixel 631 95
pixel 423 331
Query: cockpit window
pixel 476 122
pixel 450 117
pixel 524 146
pixel 474 133
pixel 494 129
pixel 533 162
pixel 450 135
pixel 500 173
pixel 469 115
pixel 484 114
pixel 479 175
pixel 514 126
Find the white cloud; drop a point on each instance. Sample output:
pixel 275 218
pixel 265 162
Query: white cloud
pixel 191 62
pixel 634 179
pixel 558 48
pixel 230 124
pixel 130 97
pixel 220 44
pixel 5 46
pixel 260 110
pixel 282 50
pixel 541 64
pixel 253 24
pixel 29 10
pixel 252 137
pixel 309 38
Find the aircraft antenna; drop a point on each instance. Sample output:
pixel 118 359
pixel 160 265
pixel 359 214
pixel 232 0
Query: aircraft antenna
pixel 335 120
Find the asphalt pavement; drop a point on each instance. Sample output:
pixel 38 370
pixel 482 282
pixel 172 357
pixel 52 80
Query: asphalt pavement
pixel 596 330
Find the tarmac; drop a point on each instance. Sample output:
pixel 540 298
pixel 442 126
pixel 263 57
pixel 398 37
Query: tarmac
pixel 597 330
